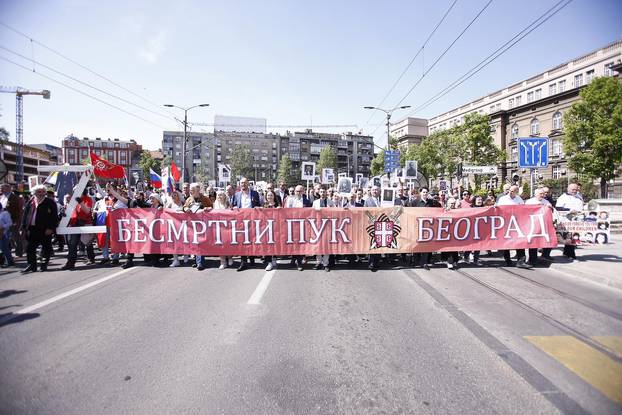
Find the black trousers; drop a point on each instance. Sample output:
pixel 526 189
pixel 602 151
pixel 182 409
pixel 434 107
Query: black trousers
pixel 520 253
pixel 72 248
pixel 422 258
pixel 36 237
pixel 451 257
pixel 533 254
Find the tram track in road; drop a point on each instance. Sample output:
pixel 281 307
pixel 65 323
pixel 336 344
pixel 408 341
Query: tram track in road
pixel 596 307
pixel 548 317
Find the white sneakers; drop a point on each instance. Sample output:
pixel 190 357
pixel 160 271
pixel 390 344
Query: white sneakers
pixel 222 266
pixel 271 266
pixel 174 264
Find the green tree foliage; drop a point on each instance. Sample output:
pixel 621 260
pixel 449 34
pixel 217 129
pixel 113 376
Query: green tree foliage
pixel 284 172
pixel 242 162
pixel 469 143
pixel 377 164
pixel 328 159
pixel 593 139
pixel 166 161
pixel 147 162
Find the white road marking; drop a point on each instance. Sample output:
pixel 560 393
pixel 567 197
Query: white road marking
pixel 261 288
pixel 59 297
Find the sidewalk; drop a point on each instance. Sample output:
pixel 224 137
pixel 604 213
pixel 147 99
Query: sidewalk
pixel 599 263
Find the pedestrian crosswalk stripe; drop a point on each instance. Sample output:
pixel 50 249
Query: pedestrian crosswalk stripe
pixel 594 367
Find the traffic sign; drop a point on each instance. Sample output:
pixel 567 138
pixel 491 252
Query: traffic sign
pixel 533 152
pixel 479 169
pixel 391 160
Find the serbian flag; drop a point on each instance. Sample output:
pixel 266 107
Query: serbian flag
pixel 106 169
pixel 155 179
pixel 168 185
pixel 101 219
pixel 175 173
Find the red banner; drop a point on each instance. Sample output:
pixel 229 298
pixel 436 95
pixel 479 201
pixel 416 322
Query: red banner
pixel 308 231
pixel 106 169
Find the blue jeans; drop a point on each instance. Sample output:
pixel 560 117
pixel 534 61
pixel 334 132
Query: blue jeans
pixel 199 260
pixel 5 246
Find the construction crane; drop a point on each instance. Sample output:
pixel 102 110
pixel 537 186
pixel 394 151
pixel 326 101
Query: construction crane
pixel 19 122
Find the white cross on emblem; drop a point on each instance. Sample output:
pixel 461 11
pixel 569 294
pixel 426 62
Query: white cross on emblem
pixel 383 232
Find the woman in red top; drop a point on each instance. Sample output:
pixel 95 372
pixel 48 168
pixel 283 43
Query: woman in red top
pixel 81 216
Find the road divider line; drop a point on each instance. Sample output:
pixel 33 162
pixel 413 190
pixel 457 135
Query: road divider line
pixel 69 293
pixel 255 298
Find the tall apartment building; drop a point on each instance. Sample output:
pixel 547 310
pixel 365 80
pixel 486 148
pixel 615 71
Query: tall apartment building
pixel 535 107
pixel 123 152
pixel 206 150
pixel 33 158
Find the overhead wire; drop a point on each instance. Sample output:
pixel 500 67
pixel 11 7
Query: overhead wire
pixel 82 92
pixel 83 83
pixel 439 58
pixel 56 52
pixel 399 78
pixel 494 55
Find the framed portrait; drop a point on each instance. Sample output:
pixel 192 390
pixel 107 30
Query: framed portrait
pixel 388 196
pixel 363 182
pixel 344 186
pixel 307 170
pixel 410 169
pixel 328 176
pixel 376 181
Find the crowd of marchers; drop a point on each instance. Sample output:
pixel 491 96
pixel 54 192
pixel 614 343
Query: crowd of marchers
pixel 28 224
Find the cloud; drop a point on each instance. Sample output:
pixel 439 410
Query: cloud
pixel 154 47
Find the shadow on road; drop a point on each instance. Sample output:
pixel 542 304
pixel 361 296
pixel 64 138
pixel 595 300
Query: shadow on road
pixel 8 293
pixel 11 318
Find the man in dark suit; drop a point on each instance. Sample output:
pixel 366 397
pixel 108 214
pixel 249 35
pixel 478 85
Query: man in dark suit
pixel 38 224
pixel 13 204
pixel 246 198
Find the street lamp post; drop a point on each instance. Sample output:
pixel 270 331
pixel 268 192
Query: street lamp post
pixel 388 112
pixel 183 144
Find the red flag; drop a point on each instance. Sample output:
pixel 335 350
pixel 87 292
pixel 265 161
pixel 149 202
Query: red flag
pixel 106 169
pixel 175 172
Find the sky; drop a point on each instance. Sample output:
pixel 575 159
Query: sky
pixel 298 63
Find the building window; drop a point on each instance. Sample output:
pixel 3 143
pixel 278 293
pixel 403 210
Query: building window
pixel 514 131
pixel 557 121
pixel 578 80
pixel 511 103
pixel 492 109
pixel 529 97
pixel 557 147
pixel 538 94
pixel 589 75
pixel 535 126
pixel 518 100
pixel 514 155
pixel 498 107
pixel 608 70
pixel 557 172
pixel 562 85
pixel 552 89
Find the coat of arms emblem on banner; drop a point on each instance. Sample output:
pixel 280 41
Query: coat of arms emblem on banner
pixel 384 229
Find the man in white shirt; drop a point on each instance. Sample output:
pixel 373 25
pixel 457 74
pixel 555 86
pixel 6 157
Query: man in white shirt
pixel 296 201
pixel 539 198
pixel 512 198
pixel 323 202
pixel 373 201
pixel 570 202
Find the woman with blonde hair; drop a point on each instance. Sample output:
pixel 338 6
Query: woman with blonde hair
pixel 222 203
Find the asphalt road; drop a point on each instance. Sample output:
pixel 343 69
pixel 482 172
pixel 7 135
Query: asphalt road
pixel 160 340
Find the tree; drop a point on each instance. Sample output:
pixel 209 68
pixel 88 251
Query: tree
pixel 593 139
pixel 479 147
pixel 166 161
pixel 285 171
pixel 242 162
pixel 377 164
pixel 147 162
pixel 328 159
pixel 4 134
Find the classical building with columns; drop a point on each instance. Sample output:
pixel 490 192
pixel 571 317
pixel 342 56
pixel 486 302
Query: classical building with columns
pixel 535 107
